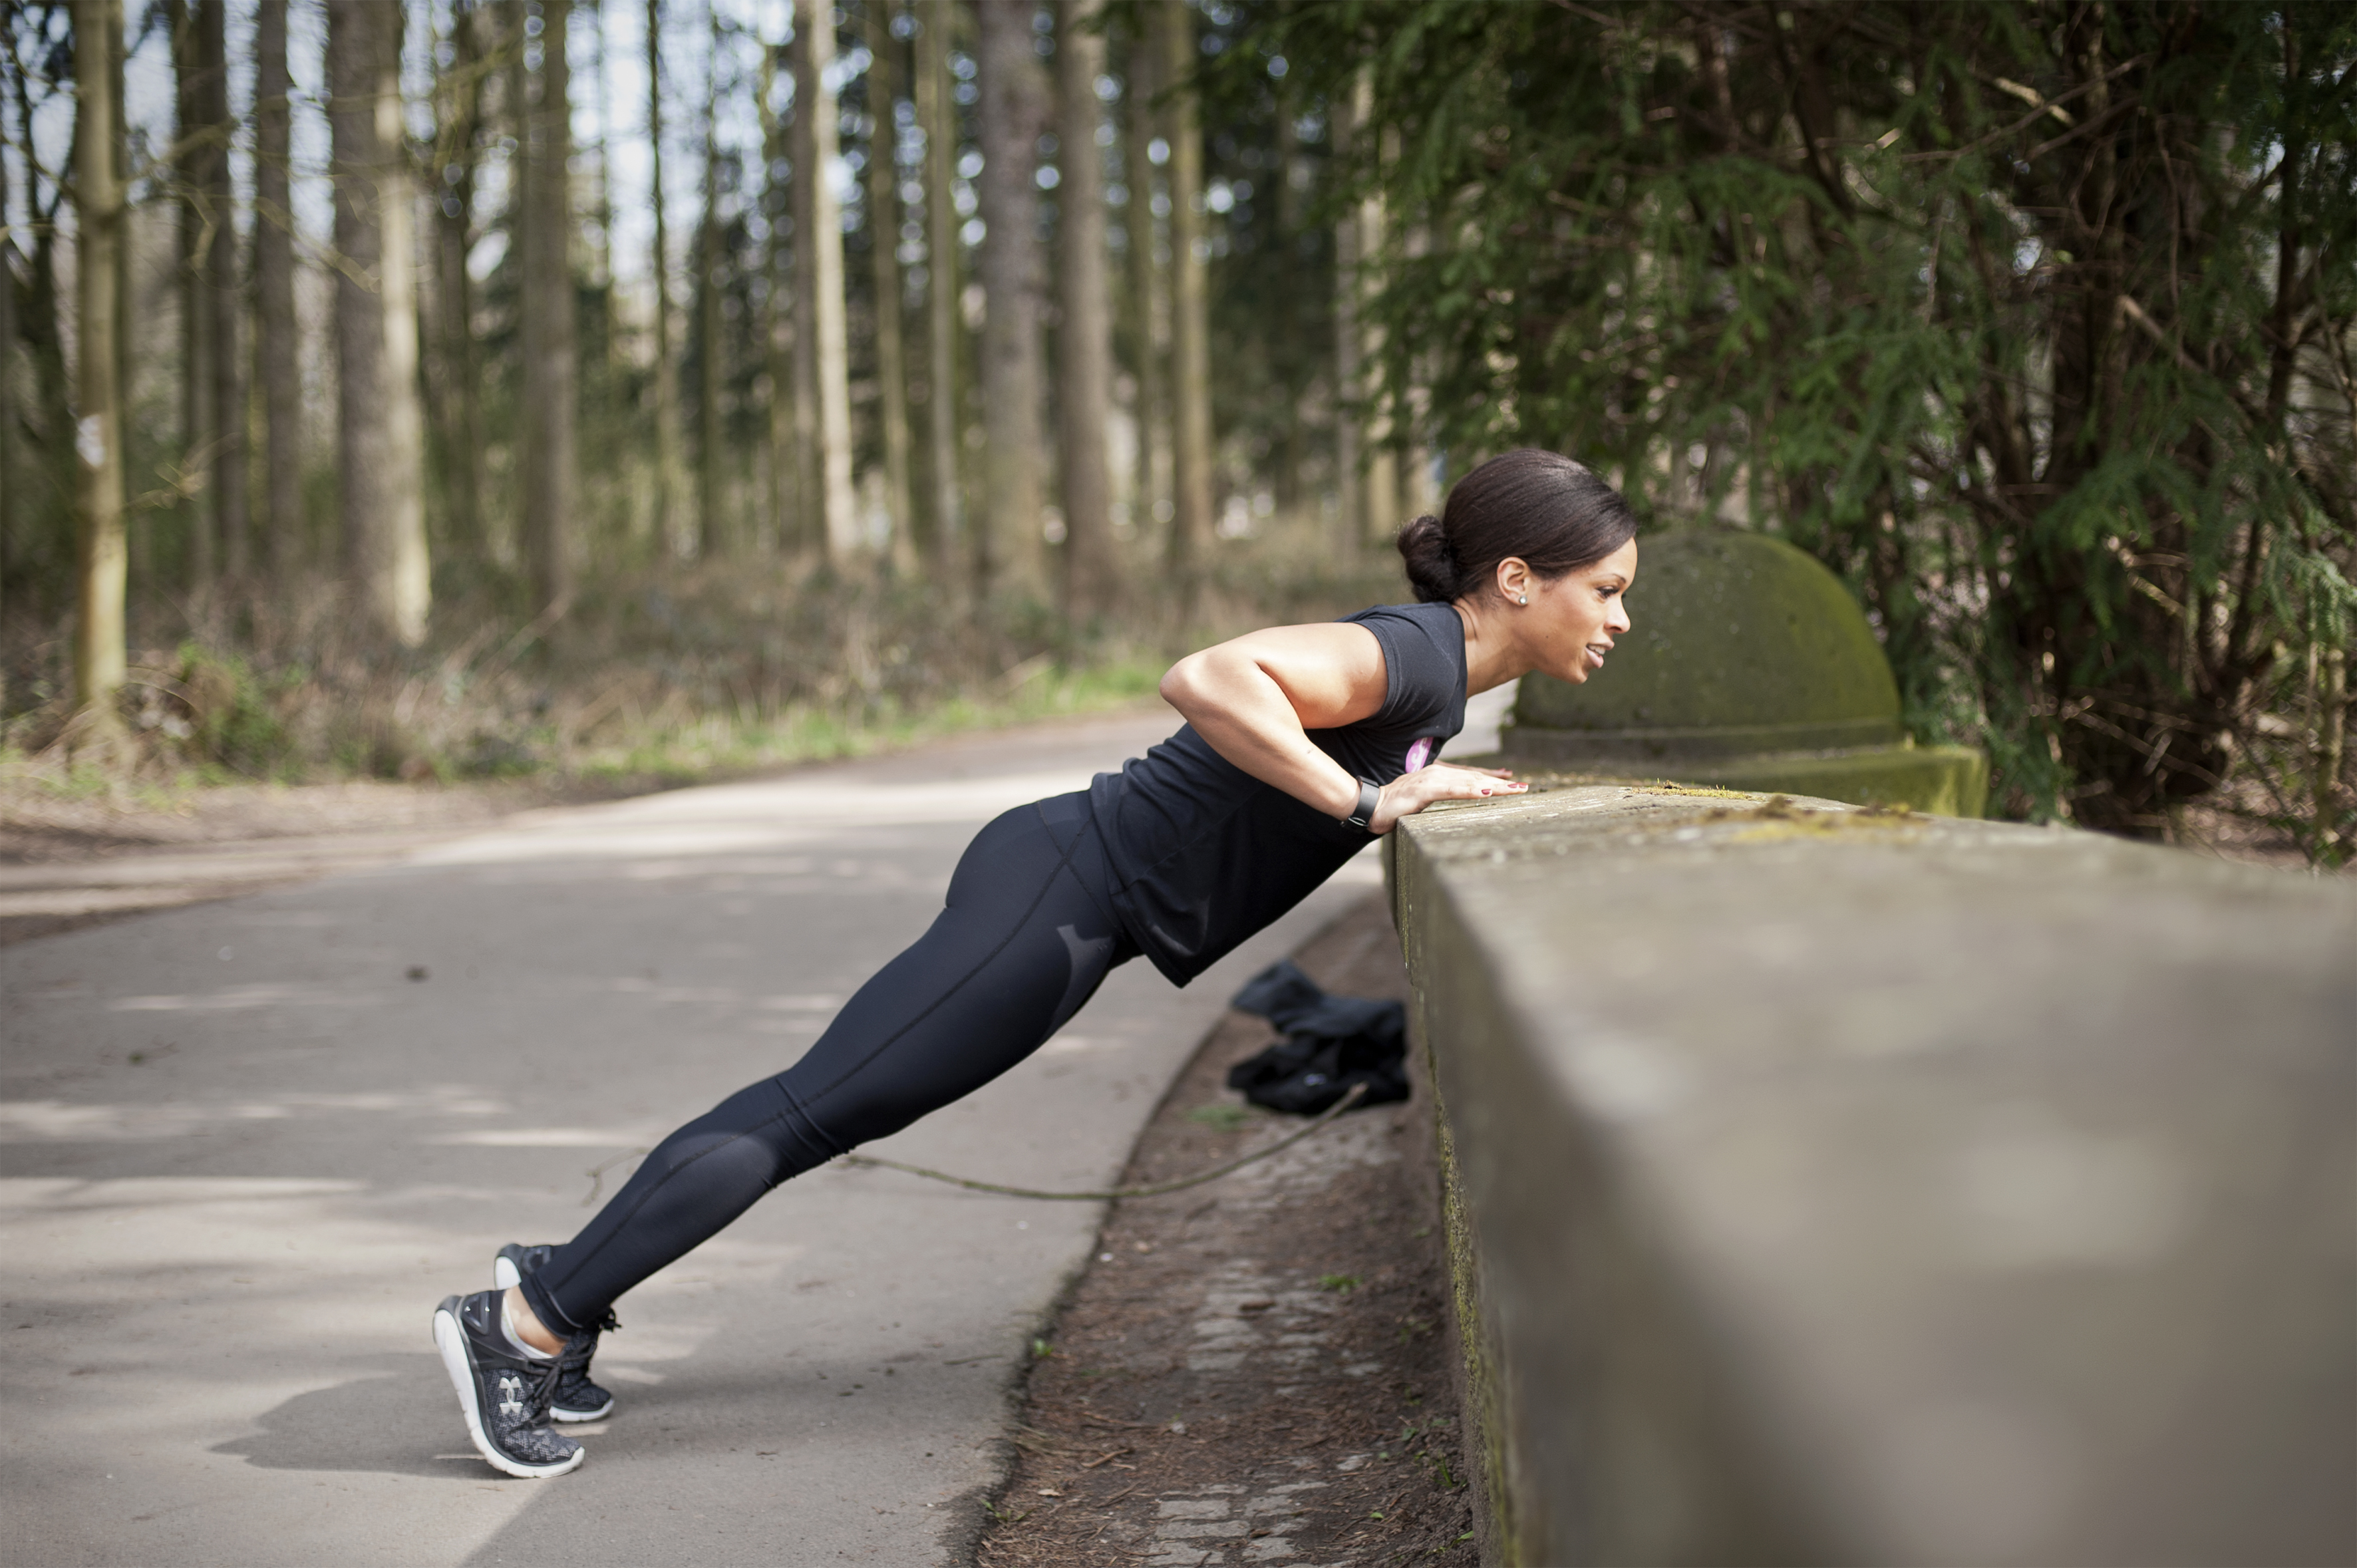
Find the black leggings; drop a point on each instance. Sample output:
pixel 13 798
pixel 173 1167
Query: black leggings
pixel 1025 939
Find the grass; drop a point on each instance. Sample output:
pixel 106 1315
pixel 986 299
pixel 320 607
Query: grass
pixel 645 680
pixel 719 746
pixel 1221 1117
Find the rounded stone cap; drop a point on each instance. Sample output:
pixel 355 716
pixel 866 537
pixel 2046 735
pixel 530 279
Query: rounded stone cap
pixel 1739 643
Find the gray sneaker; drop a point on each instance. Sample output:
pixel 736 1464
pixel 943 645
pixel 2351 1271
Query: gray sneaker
pixel 577 1398
pixel 503 1394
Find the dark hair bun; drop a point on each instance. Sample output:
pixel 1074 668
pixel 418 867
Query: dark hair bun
pixel 1553 513
pixel 1430 572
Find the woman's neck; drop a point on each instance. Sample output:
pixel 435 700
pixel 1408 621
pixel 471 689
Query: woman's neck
pixel 1493 656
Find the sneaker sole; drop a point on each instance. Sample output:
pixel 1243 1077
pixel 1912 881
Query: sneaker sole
pixel 504 1277
pixel 451 1340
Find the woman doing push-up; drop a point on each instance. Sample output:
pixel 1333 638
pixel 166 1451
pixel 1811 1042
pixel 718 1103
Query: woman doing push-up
pixel 1301 742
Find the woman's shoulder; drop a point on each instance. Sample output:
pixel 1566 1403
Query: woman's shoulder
pixel 1424 661
pixel 1439 623
pixel 1421 614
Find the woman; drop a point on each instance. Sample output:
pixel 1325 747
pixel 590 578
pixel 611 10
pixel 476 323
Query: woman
pixel 1300 743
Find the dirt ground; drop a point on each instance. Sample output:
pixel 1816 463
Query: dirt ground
pixel 1254 1370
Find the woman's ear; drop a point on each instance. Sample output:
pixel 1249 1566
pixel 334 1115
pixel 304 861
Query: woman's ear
pixel 1514 580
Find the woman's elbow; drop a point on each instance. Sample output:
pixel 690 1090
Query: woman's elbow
pixel 1186 683
pixel 1177 683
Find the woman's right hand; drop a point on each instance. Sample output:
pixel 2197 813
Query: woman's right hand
pixel 1412 792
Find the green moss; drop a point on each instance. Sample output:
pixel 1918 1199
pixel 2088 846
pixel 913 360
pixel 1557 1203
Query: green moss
pixel 1726 629
pixel 1748 666
pixel 1484 1404
pixel 1944 781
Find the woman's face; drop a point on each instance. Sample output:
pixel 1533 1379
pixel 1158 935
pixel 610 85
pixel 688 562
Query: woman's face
pixel 1569 624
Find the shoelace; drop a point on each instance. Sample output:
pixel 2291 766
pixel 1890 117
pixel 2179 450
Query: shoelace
pixel 575 1356
pixel 542 1396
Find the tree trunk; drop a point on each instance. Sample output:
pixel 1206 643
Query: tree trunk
pixel 100 559
pixel 212 401
pixel 116 55
pixel 1190 393
pixel 711 435
pixel 1349 449
pixel 2331 740
pixel 379 450
pixel 408 589
pixel 601 203
pixel 884 241
pixel 275 346
pixel 139 526
pixel 1380 519
pixel 1084 338
pixel 1147 303
pixel 193 179
pixel 810 519
pixel 8 490
pixel 666 365
pixel 1013 116
pixel 785 503
pixel 818 256
pixel 550 472
pixel 45 328
pixel 223 293
pixel 458 406
pixel 1282 246
pixel 939 125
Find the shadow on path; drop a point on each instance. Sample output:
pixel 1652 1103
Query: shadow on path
pixel 401 1420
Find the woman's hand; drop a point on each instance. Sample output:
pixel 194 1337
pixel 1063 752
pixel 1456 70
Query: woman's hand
pixel 1412 792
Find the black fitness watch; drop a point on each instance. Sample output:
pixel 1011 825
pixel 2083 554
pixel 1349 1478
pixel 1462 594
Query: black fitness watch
pixel 1363 817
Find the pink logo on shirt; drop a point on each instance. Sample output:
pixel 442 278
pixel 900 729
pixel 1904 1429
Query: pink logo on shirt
pixel 1420 753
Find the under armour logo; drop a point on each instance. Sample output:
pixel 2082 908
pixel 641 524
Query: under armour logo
pixel 510 1395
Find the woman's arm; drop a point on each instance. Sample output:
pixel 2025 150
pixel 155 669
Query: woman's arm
pixel 1255 699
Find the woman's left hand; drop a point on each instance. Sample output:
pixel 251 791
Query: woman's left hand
pixel 1412 792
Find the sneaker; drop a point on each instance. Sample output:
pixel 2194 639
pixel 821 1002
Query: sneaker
pixel 504 1393
pixel 577 1398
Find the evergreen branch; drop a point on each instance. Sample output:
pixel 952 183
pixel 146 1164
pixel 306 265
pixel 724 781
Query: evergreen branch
pixel 2031 118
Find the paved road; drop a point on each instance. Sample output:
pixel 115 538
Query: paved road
pixel 247 1144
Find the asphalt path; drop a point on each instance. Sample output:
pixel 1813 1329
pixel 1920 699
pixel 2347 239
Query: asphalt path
pixel 248 1145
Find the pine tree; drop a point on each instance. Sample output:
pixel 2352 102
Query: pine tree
pixel 380 446
pixel 102 559
pixel 883 244
pixel 1008 539
pixel 666 366
pixel 1084 334
pixel 943 328
pixel 550 459
pixel 275 348
pixel 2031 321
pixel 1191 343
pixel 819 305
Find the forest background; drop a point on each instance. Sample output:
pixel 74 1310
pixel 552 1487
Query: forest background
pixel 643 388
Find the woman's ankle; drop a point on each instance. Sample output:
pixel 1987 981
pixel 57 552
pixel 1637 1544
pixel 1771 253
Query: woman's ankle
pixel 523 1324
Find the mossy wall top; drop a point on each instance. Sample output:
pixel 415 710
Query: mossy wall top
pixel 1726 629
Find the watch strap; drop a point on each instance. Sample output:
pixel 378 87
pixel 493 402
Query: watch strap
pixel 1362 818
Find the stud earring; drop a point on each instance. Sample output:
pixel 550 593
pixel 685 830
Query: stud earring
pixel 1523 600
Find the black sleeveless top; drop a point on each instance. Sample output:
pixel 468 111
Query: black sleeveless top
pixel 1203 854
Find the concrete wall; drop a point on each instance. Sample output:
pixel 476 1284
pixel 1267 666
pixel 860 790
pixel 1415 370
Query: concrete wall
pixel 1830 1186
